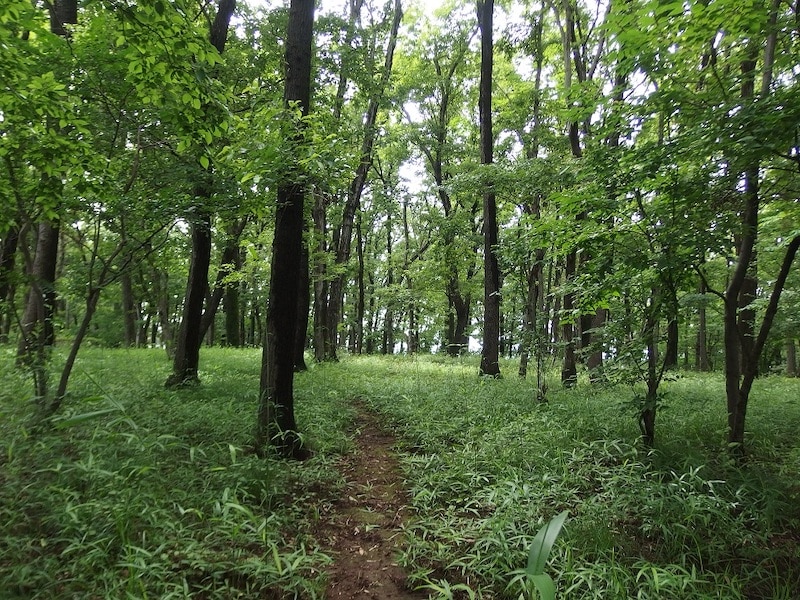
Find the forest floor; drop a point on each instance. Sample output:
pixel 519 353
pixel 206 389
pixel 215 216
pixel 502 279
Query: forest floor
pixel 362 530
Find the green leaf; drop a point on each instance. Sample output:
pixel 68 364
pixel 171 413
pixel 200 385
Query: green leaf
pixel 69 422
pixel 543 544
pixel 204 161
pixel 544 585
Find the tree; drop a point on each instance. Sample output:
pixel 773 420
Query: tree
pixel 276 423
pixel 37 333
pixel 190 334
pixel 344 235
pixel 490 362
pixel 436 83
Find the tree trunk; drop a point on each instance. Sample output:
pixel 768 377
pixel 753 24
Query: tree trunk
pixel 129 312
pixel 490 359
pixel 192 329
pixel 569 368
pixel 358 342
pixel 791 358
pixel 231 307
pixel 190 335
pixel 303 307
pixel 594 361
pixel 80 334
pixel 457 319
pixel 37 331
pixel 276 423
pixel 320 337
pixel 8 254
pixel 388 320
pixel 672 350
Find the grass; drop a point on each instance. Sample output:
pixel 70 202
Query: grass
pixel 140 492
pixel 488 465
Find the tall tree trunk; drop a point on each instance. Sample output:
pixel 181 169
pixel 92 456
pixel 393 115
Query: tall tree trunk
pixel 490 359
pixel 37 332
pixel 791 358
pixel 192 329
pixel 533 336
pixel 190 335
pixel 358 344
pixel 8 255
pixel 594 360
pixel 232 309
pixel 303 307
pixel 647 414
pixel 737 359
pixel 37 329
pixel 276 423
pixel 673 331
pixel 129 311
pixel 322 351
pixel 742 349
pixel 225 290
pixel 569 368
pixel 388 320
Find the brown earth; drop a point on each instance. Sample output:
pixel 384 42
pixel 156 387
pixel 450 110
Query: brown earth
pixel 361 531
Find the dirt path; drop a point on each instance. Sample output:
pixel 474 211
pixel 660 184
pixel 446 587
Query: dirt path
pixel 361 531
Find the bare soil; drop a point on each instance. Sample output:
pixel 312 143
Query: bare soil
pixel 361 531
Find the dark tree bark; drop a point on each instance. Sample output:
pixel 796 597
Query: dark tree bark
pixel 569 368
pixel 129 310
pixel 37 331
pixel 358 344
pixel 37 334
pixel 8 256
pixel 534 328
pixel 490 359
pixel 742 348
pixel 303 307
pixel 647 414
pixel 673 332
pixel 322 348
pixel 791 358
pixel 276 423
pixel 62 14
pixel 191 332
pixel 388 318
pixel 227 292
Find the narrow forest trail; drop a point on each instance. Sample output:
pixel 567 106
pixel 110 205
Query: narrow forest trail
pixel 361 530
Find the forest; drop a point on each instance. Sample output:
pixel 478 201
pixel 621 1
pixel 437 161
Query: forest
pixel 488 284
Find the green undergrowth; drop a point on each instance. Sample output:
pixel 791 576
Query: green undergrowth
pixel 141 492
pixel 487 466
